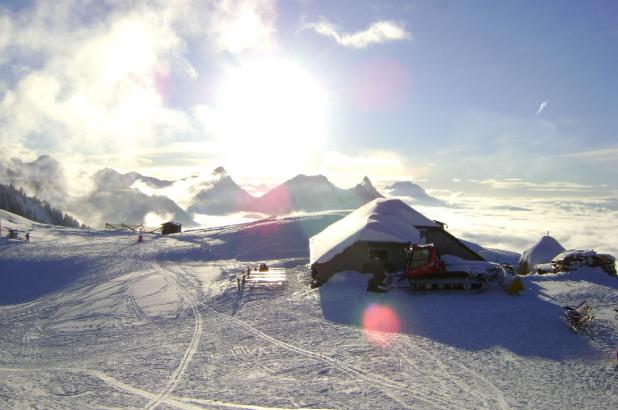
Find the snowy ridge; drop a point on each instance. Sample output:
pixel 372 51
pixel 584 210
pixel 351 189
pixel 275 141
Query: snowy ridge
pixel 381 220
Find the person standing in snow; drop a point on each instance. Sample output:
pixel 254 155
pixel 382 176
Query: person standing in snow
pixel 28 237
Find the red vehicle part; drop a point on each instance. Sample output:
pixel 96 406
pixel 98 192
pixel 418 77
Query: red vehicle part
pixel 423 261
pixel 426 271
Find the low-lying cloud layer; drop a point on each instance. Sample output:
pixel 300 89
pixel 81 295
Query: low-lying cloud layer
pixel 516 224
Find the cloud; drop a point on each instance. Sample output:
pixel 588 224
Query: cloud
pixel 96 80
pixel 381 166
pixel 97 87
pixel 516 223
pixel 241 25
pixel 515 183
pixel 542 107
pixel 604 154
pixel 377 33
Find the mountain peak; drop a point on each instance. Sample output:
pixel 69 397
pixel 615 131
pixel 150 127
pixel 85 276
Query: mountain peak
pixel 304 181
pixel 366 182
pixel 366 190
pixel 411 190
pixel 221 195
pixel 219 171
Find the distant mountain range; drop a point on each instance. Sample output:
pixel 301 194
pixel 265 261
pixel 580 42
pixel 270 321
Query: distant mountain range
pixel 114 200
pixel 301 193
pixel 313 193
pixel 131 197
pixel 413 191
pixel 108 179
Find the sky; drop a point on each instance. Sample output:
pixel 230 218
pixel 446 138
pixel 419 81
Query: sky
pixel 509 98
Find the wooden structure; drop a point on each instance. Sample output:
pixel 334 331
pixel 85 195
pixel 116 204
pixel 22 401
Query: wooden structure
pixel 269 278
pixel 171 227
pixel 122 227
pixel 166 228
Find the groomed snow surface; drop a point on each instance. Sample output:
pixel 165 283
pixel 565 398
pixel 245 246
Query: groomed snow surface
pixel 94 320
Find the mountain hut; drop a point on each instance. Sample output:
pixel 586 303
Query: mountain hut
pixel 375 238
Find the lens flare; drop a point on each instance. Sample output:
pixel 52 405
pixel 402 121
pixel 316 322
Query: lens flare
pixel 380 85
pixel 378 320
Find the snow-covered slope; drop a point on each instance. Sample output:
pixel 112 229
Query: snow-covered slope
pixel 381 220
pixel 311 194
pixel 494 255
pixel 541 252
pixel 93 319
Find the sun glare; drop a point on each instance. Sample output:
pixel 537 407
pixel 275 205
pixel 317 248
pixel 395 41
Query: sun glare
pixel 270 109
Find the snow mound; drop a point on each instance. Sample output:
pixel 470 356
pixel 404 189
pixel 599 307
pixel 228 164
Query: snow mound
pixel 381 220
pixel 541 252
pixel 573 253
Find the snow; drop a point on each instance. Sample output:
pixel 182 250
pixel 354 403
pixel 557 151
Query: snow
pixel 541 252
pixel 456 264
pixel 12 221
pixel 574 252
pixel 162 324
pixel 381 220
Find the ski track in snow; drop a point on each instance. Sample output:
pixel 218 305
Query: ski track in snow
pixel 380 382
pixel 193 344
pixel 115 299
pixel 179 402
pixel 132 303
pixel 471 382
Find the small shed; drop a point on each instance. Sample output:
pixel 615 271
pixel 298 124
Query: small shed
pixel 171 227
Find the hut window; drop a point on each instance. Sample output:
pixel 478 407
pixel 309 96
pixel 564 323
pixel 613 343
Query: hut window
pixel 378 254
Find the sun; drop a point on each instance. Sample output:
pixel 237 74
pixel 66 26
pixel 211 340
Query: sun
pixel 272 109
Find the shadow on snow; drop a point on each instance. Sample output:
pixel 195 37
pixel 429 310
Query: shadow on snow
pixel 526 324
pixel 25 280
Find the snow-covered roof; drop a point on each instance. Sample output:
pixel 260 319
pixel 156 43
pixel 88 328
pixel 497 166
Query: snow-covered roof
pixel 381 220
pixel 541 252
